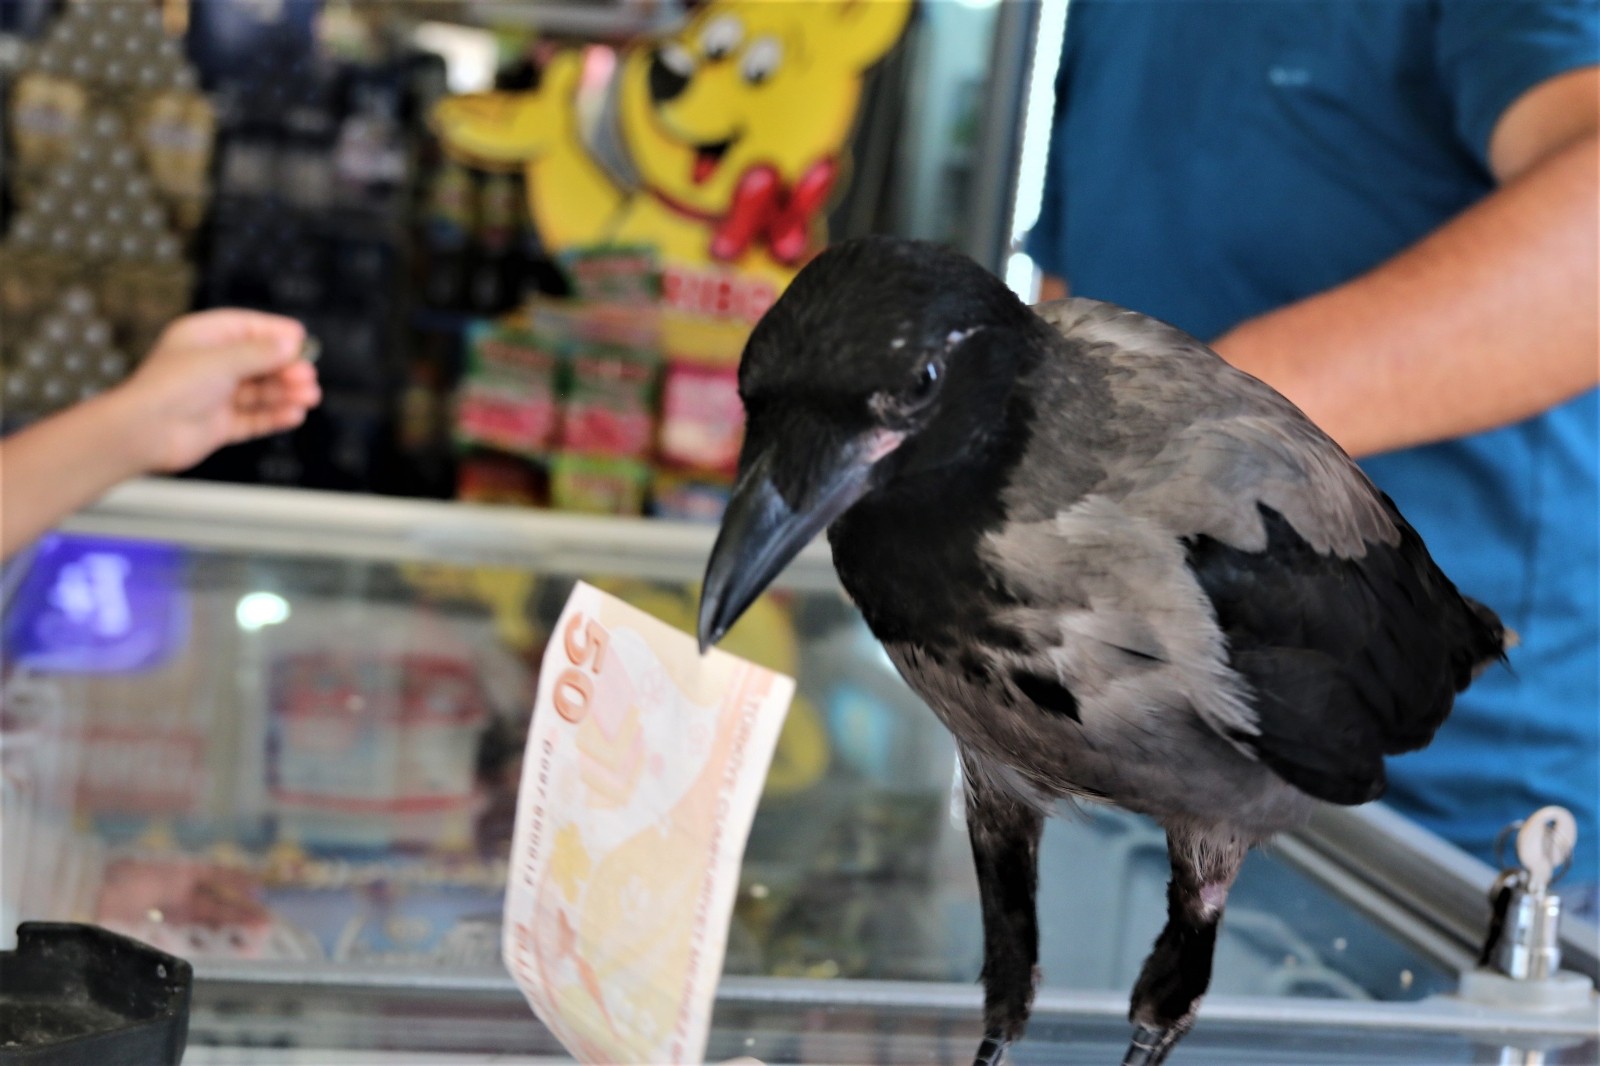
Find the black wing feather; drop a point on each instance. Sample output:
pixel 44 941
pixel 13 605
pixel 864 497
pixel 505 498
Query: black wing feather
pixel 1348 660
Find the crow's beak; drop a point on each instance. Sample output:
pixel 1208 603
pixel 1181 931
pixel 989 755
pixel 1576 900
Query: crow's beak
pixel 761 532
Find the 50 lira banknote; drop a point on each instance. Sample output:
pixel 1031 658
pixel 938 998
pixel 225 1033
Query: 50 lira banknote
pixel 643 768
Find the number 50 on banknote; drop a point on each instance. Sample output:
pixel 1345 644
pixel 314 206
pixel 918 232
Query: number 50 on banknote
pixel 644 765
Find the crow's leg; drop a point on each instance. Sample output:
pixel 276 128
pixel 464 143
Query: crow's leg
pixel 1178 970
pixel 1004 829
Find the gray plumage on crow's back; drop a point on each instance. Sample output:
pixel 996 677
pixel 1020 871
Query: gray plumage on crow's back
pixel 1114 566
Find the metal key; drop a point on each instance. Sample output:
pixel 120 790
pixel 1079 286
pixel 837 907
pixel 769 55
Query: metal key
pixel 1544 845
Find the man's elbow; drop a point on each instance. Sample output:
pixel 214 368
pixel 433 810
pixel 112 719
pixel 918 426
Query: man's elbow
pixel 1543 122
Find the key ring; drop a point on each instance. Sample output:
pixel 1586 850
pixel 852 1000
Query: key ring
pixel 1505 834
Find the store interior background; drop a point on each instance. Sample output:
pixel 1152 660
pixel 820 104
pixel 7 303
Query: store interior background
pixel 324 187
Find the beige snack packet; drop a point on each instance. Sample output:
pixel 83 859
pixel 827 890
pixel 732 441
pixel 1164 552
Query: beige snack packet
pixel 643 768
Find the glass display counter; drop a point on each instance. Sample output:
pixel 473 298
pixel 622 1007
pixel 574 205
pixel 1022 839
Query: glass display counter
pixel 279 732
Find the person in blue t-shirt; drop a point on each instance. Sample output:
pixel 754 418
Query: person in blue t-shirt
pixel 1388 210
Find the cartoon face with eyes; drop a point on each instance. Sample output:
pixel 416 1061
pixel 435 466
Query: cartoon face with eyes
pixel 732 128
pixel 751 84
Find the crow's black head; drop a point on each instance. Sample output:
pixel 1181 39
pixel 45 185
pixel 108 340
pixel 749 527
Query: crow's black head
pixel 905 347
pixel 884 363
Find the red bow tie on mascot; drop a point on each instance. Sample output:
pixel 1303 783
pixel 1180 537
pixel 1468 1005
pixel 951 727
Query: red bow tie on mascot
pixel 766 211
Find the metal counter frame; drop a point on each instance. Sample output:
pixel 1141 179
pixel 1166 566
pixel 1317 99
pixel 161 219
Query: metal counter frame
pixel 797 1020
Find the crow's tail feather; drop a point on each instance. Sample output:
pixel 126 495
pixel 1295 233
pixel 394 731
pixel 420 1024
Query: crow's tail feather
pixel 1492 638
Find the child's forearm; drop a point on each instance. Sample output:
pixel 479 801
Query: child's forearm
pixel 54 467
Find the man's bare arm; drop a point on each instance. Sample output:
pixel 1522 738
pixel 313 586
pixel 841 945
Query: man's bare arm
pixel 1490 319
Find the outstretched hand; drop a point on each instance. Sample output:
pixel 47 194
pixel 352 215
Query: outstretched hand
pixel 216 378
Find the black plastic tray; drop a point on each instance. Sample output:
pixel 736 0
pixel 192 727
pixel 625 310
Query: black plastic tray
pixel 78 995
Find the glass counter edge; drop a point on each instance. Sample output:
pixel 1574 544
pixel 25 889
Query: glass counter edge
pixel 257 519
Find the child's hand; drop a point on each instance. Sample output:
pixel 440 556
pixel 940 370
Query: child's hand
pixel 216 378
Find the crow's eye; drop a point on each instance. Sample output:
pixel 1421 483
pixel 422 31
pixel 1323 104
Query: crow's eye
pixel 896 405
pixel 924 384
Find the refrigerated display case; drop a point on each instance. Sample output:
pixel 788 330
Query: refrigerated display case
pixel 277 733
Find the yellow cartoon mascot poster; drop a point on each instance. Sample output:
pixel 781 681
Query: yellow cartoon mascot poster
pixel 729 134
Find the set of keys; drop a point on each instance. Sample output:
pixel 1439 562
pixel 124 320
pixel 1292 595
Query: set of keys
pixel 1524 929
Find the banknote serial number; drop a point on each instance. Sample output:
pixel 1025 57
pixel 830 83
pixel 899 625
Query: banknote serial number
pixel 584 641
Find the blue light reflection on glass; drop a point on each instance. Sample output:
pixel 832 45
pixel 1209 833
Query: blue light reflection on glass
pixel 97 605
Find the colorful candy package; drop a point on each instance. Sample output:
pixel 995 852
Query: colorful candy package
pixel 609 407
pixel 702 419
pixel 598 484
pixel 508 400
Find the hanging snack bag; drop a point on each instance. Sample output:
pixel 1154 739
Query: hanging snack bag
pixel 562 324
pixel 598 484
pixel 688 498
pixel 492 477
pixel 610 402
pixel 628 274
pixel 702 419
pixel 508 400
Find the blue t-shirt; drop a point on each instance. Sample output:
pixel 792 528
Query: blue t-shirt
pixel 1213 160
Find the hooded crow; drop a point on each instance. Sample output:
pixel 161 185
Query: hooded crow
pixel 1116 568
